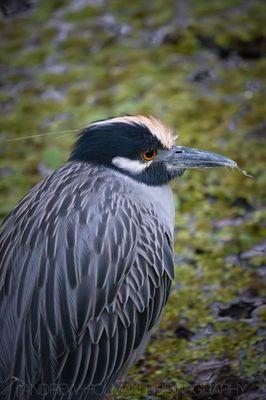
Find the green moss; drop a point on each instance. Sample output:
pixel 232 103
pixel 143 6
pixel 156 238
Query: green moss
pixel 32 57
pixel 83 14
pixel 220 214
pixel 229 22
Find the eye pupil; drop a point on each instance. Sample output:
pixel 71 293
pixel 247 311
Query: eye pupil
pixel 149 155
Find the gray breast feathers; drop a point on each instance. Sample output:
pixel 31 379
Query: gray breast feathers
pixel 85 270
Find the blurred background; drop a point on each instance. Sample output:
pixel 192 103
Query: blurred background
pixel 200 67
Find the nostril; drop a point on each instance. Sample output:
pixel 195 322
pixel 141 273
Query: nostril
pixel 179 151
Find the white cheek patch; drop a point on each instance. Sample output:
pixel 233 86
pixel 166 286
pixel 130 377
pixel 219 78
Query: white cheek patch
pixel 132 166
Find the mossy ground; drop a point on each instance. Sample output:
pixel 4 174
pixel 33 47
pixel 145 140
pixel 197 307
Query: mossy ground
pixel 200 67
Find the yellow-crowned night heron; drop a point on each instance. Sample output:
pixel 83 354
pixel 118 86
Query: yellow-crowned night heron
pixel 87 261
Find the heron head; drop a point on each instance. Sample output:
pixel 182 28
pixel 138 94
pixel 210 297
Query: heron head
pixel 143 148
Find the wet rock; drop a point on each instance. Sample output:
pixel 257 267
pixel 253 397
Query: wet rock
pixel 258 133
pixel 56 68
pixel 159 35
pixel 172 33
pixel 262 271
pixel 182 332
pixel 166 34
pixel 215 380
pixel 256 251
pixel 243 203
pixel 106 49
pixel 231 221
pixel 6 171
pixel 44 171
pixel 64 30
pixel 53 94
pixel 237 309
pixel 200 250
pixel 254 395
pixel 209 43
pixel 259 312
pixel 201 75
pixel 112 26
pixel 13 7
pixel 209 371
pixel 250 293
pixel 252 49
pixel 78 5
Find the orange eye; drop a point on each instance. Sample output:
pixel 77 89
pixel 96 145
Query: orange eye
pixel 149 155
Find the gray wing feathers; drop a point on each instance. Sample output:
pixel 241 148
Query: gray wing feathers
pixel 82 279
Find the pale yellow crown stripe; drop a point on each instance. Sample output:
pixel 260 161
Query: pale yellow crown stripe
pixel 155 126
